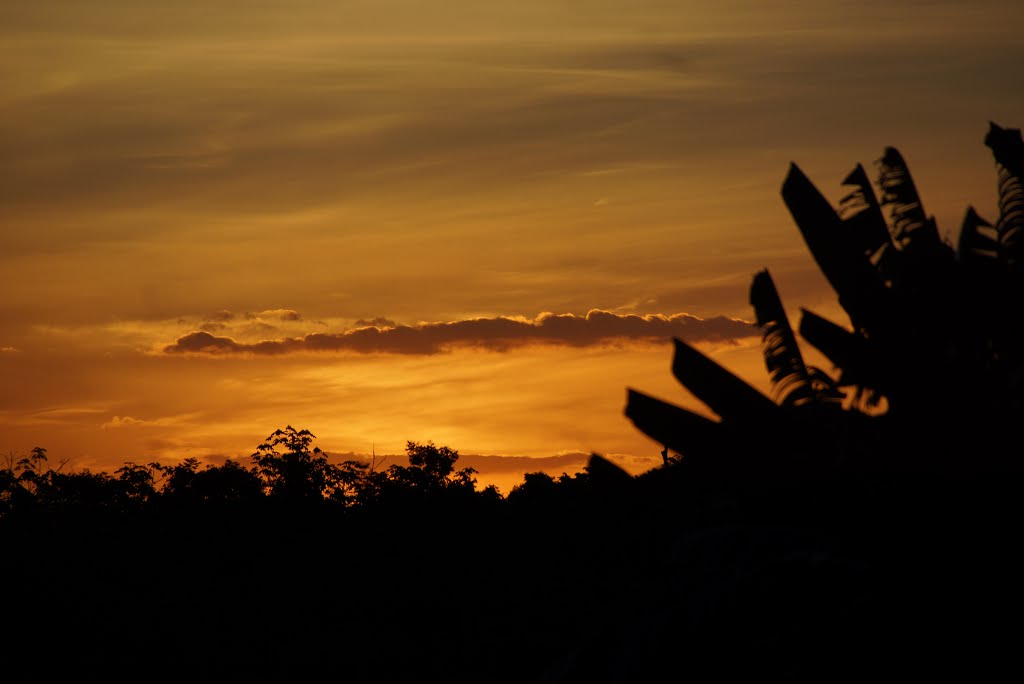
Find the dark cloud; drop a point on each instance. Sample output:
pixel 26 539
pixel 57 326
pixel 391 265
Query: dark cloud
pixel 495 334
pixel 202 341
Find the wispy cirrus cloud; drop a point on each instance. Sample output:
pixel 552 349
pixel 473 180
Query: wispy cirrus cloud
pixel 50 415
pixel 500 333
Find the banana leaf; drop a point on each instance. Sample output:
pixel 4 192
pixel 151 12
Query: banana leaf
pixel 604 472
pixel 978 239
pixel 723 392
pixel 791 384
pixel 861 290
pixel 862 215
pixel 1008 150
pixel 912 229
pixel 848 351
pixel 682 431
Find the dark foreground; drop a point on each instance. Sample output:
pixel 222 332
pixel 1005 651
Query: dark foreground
pixel 597 582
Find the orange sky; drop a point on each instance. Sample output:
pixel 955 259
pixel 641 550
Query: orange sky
pixel 261 171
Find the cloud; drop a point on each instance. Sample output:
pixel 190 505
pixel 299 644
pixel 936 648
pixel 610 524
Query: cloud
pixel 257 328
pixel 202 341
pixel 57 415
pixel 538 105
pixel 280 314
pixel 250 323
pixel 129 421
pixel 501 333
pixel 119 421
pixel 378 322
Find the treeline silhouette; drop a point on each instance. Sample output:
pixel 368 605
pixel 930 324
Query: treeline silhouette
pixel 291 567
pixel 853 526
pixel 287 473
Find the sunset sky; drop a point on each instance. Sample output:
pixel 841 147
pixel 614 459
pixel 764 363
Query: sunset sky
pixel 518 203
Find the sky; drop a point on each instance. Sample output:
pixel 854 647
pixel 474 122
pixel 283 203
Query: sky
pixel 463 221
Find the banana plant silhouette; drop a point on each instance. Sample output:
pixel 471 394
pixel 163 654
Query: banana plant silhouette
pixel 935 339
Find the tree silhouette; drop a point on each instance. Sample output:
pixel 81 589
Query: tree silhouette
pixel 429 480
pixel 432 469
pixel 293 472
pixel 138 482
pixel 31 485
pixel 231 483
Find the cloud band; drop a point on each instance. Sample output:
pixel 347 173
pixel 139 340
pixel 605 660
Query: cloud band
pixel 495 334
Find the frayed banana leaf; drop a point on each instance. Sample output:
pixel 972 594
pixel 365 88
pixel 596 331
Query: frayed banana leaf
pixel 826 389
pixel 924 282
pixel 862 215
pixel 861 290
pixel 682 431
pixel 791 386
pixel 899 195
pixel 723 392
pixel 1008 150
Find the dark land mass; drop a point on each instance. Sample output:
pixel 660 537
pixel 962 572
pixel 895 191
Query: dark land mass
pixel 592 578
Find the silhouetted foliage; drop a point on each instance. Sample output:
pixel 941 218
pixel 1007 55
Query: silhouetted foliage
pixel 187 484
pixel 935 339
pixel 297 473
pixel 534 487
pixel 287 470
pixel 431 469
